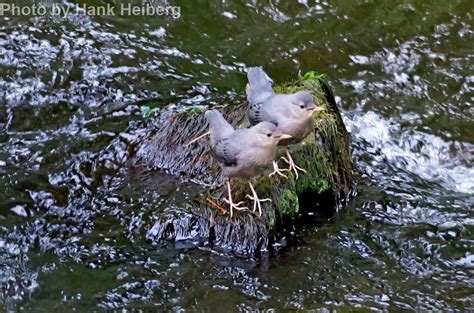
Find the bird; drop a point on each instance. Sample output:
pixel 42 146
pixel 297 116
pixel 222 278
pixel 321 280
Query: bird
pixel 291 113
pixel 242 153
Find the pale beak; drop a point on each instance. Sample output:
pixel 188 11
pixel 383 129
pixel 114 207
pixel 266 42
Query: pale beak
pixel 285 136
pixel 317 109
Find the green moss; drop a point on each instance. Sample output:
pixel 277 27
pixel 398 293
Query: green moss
pixel 271 219
pixel 265 184
pixel 147 111
pixel 194 110
pixel 313 75
pixel 317 178
pixel 289 202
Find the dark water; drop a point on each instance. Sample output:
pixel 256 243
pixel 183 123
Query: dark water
pixel 74 221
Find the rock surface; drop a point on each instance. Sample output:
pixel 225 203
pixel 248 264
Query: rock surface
pixel 323 189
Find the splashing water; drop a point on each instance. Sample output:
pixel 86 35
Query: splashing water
pixel 78 228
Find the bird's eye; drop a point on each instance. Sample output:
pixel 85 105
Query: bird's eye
pixel 302 106
pixel 269 135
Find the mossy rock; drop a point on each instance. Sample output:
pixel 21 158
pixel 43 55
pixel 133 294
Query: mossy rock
pixel 323 189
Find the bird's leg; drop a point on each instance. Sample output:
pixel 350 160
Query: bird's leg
pixel 233 205
pixel 293 167
pixel 256 200
pixel 277 171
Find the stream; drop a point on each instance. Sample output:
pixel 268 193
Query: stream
pixel 76 93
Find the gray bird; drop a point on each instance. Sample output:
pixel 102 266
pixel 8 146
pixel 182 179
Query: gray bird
pixel 291 113
pixel 242 153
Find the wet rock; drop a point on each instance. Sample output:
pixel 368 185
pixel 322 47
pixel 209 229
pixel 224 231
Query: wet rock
pixel 328 183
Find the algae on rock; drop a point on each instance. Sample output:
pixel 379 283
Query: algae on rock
pixel 325 155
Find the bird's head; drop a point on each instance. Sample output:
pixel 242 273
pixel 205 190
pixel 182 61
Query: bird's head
pixel 268 134
pixel 304 102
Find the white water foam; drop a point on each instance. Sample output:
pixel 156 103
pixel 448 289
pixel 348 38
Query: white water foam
pixel 448 163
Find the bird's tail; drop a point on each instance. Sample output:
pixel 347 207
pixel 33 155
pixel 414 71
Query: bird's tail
pixel 219 128
pixel 259 87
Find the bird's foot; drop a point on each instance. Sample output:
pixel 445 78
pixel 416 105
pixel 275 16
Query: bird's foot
pixel 278 171
pixel 257 203
pixel 235 206
pixel 293 167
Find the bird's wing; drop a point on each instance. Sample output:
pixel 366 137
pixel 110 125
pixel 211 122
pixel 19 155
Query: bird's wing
pixel 219 128
pixel 259 87
pixel 262 112
pixel 273 110
pixel 226 151
pixel 255 113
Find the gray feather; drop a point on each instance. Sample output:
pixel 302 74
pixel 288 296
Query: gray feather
pixel 272 110
pixel 219 128
pixel 255 114
pixel 259 87
pixel 226 152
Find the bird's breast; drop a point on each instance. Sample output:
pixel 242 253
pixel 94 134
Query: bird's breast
pixel 298 129
pixel 260 156
pixel 252 162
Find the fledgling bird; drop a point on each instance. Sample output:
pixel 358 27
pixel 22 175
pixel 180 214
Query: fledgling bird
pixel 291 113
pixel 242 153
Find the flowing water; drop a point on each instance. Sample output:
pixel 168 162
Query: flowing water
pixel 75 223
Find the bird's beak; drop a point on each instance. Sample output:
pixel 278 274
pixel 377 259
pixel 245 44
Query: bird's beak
pixel 285 136
pixel 316 109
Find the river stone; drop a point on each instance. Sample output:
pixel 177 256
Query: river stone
pixel 325 188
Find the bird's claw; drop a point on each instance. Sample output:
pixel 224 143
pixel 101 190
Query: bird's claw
pixel 277 171
pixel 257 203
pixel 258 199
pixel 236 206
pixel 293 167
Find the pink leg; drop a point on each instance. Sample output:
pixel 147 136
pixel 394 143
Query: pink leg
pixel 231 204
